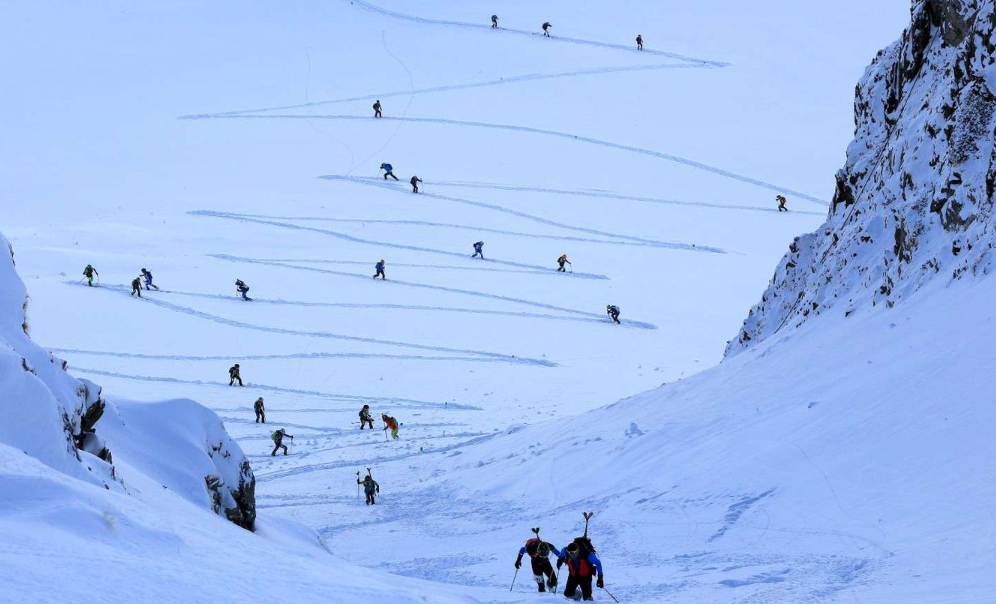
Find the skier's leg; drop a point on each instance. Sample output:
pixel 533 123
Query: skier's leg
pixel 585 583
pixel 239 378
pixel 285 453
pixel 547 569
pixel 274 451
pixel 571 588
pixel 537 564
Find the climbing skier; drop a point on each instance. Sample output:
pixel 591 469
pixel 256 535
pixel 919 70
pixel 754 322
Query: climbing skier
pixel 370 487
pixel 581 566
pixel 366 418
pixel 539 552
pixel 233 374
pixel 260 411
pixel 613 311
pixel 639 42
pixel 376 108
pixel 494 21
pixel 147 275
pixel 546 29
pixel 390 422
pixel 242 289
pixel 136 287
pixel 415 180
pixel 89 273
pixel 478 250
pixel 561 262
pixel 278 442
pixel 380 270
pixel 781 203
pixel 388 171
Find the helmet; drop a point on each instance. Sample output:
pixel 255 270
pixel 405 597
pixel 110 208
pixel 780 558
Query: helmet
pixel 572 549
pixel 143 270
pixel 381 259
pixel 236 364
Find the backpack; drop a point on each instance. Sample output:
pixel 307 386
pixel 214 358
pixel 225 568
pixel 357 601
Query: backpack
pixel 274 436
pixel 585 548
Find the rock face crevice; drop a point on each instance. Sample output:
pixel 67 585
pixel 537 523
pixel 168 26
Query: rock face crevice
pixel 913 204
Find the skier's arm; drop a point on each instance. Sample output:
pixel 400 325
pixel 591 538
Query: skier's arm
pixel 593 559
pixel 556 552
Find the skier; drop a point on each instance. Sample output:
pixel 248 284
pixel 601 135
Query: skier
pixel 581 564
pixel 370 487
pixel 242 289
pixel 380 270
pixel 89 273
pixel 415 180
pixel 639 42
pixel 260 411
pixel 278 441
pixel 781 203
pixel 613 311
pixel 388 171
pixel 494 21
pixel 561 262
pixel 546 29
pixel 147 275
pixel 366 418
pixel 539 552
pixel 376 108
pixel 233 374
pixel 390 422
pixel 478 250
pixel 136 287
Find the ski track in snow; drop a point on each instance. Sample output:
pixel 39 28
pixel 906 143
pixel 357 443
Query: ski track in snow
pixel 605 195
pixel 345 398
pixel 467 292
pixel 478 266
pixel 494 356
pixel 270 357
pixel 412 307
pixel 541 131
pixel 464 227
pixel 531 77
pixel 487 26
pixel 623 239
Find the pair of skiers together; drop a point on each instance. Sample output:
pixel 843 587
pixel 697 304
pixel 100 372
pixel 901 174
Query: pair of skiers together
pixel 389 171
pixel 582 565
pixel 366 419
pixel 136 283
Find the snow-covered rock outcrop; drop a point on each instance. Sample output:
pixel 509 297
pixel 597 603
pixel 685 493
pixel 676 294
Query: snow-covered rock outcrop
pixel 914 203
pixel 68 425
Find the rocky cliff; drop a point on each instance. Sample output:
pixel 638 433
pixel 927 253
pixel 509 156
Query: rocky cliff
pixel 913 204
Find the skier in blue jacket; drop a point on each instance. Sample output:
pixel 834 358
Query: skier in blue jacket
pixel 582 566
pixel 478 250
pixel 147 275
pixel 380 270
pixel 388 171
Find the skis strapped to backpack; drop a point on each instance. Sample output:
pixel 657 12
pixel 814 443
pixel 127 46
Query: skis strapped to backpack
pixel 584 543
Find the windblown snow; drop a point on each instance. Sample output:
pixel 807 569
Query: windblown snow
pixel 839 452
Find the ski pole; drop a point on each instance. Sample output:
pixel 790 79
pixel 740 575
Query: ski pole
pixel 610 595
pixel 558 581
pixel 513 579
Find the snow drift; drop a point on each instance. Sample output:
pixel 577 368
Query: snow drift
pixel 914 202
pixel 67 425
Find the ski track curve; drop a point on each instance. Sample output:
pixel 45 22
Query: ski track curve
pixel 494 356
pixel 466 292
pixel 544 132
pixel 343 398
pixel 354 239
pixel 386 306
pixel 622 239
pixel 530 77
pixel 604 195
pixel 521 32
pixel 447 225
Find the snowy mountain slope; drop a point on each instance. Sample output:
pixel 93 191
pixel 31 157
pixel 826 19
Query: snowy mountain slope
pixel 914 201
pixel 655 171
